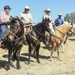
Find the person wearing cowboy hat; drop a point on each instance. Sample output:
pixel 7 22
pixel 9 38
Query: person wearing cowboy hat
pixel 4 18
pixel 47 14
pixel 59 21
pixel 51 23
pixel 26 18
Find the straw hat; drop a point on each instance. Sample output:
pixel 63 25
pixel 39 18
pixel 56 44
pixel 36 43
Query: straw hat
pixel 59 14
pixel 47 10
pixel 27 7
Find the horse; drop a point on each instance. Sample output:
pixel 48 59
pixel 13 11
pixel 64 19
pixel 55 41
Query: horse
pixel 58 38
pixel 34 37
pixel 13 40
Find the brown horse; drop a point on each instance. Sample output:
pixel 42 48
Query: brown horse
pixel 58 38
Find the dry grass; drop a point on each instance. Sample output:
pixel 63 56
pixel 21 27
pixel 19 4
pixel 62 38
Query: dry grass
pixel 46 67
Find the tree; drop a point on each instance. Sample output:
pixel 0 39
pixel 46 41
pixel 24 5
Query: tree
pixel 70 17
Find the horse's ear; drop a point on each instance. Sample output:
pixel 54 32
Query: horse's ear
pixel 11 17
pixel 17 17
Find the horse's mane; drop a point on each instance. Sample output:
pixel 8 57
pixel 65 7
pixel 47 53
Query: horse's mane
pixel 38 24
pixel 39 27
pixel 21 25
pixel 64 25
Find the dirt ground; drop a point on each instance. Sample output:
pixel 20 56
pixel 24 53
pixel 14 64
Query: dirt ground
pixel 46 67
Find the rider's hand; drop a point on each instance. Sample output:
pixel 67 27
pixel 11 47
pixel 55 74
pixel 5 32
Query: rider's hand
pixel 8 23
pixel 30 22
pixel 52 22
pixel 22 18
pixel 58 22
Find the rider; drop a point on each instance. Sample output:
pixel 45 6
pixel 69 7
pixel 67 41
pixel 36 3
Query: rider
pixel 59 21
pixel 26 18
pixel 47 16
pixel 4 18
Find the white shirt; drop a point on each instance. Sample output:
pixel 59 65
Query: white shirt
pixel 46 16
pixel 26 17
pixel 4 18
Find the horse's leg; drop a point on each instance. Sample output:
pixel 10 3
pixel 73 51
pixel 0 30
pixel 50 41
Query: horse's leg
pixel 18 58
pixel 62 47
pixel 14 55
pixel 37 52
pixel 34 50
pixel 30 49
pixel 58 51
pixel 63 43
pixel 53 47
pixel 9 58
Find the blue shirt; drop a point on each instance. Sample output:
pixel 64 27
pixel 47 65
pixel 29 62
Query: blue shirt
pixel 58 21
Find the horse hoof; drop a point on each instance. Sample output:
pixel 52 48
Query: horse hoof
pixel 7 68
pixel 13 59
pixel 59 59
pixel 18 67
pixel 51 59
pixel 62 51
pixel 28 62
pixel 38 61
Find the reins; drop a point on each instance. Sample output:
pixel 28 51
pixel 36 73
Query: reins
pixel 38 31
pixel 54 35
pixel 59 31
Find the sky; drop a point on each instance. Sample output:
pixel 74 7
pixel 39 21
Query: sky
pixel 38 7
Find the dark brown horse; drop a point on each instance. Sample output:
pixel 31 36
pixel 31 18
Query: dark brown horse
pixel 33 39
pixel 13 40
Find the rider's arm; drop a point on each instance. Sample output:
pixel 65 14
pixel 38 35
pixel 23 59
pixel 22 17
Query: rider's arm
pixel 31 17
pixel 22 19
pixel 56 21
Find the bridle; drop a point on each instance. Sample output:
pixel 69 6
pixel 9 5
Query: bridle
pixel 16 31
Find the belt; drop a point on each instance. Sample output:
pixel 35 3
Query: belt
pixel 3 24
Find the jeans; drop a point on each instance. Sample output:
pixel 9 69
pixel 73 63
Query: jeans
pixel 2 31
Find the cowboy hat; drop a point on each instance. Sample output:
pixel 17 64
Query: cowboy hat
pixel 27 7
pixel 47 10
pixel 59 14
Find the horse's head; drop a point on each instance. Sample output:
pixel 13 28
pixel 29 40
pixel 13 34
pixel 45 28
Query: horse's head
pixel 72 29
pixel 14 28
pixel 46 24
